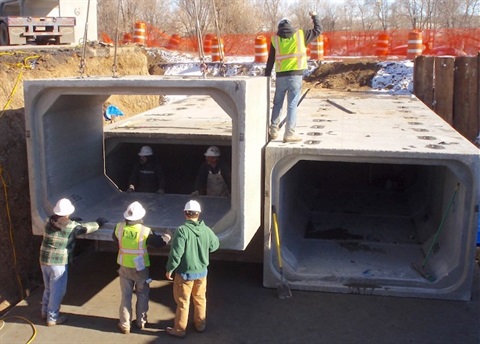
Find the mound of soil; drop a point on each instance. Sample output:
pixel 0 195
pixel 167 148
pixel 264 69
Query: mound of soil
pixel 345 76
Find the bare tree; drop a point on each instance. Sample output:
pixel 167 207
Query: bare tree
pixel 273 10
pixel 381 11
pixel 418 12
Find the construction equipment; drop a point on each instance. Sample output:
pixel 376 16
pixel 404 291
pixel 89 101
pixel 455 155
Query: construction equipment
pixel 43 22
pixel 283 288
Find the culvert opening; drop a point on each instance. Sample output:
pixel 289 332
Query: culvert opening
pixel 179 164
pixel 367 221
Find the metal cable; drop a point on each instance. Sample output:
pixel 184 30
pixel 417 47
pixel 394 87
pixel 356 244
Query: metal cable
pixel 114 66
pixel 84 50
pixel 201 52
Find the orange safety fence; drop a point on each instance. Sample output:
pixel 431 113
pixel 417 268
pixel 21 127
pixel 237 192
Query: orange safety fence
pixel 455 42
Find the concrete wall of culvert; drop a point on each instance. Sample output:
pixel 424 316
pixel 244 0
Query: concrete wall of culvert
pixel 360 201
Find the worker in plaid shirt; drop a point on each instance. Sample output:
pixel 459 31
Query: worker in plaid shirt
pixel 57 246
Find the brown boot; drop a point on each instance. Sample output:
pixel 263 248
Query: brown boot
pixel 273 132
pixel 291 138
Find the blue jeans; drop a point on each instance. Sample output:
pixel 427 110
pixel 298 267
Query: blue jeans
pixel 292 87
pixel 55 279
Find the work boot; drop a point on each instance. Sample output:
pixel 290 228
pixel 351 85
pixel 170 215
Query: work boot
pixel 200 327
pixel 273 132
pixel 60 320
pixel 172 332
pixel 291 138
pixel 122 329
pixel 141 325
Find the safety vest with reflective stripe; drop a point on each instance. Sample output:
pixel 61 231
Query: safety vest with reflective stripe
pixel 290 53
pixel 132 242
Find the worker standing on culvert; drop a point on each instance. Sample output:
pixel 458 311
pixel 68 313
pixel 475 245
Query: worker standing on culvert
pixel 288 51
pixel 55 254
pixel 147 174
pixel 189 259
pixel 132 238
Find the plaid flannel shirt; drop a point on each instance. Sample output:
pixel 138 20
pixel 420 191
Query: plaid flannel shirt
pixel 59 237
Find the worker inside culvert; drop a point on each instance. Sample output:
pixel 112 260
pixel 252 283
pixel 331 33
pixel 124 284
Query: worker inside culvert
pixel 213 178
pixel 147 173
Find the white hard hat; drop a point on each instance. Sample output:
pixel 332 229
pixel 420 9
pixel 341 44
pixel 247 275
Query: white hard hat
pixel 212 151
pixel 284 21
pixel 192 206
pixel 134 212
pixel 145 151
pixel 64 207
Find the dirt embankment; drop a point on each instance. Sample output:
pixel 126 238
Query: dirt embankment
pixel 19 270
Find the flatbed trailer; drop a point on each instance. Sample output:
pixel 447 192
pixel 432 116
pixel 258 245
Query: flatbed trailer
pixel 16 30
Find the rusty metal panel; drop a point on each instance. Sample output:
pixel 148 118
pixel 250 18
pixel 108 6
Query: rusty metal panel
pixel 423 79
pixel 465 102
pixel 443 92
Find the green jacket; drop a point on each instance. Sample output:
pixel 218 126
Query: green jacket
pixel 191 247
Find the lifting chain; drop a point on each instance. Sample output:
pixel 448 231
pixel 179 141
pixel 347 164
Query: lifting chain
pixel 114 66
pixel 84 50
pixel 201 52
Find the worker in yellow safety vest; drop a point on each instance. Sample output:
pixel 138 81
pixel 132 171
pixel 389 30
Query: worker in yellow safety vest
pixel 288 51
pixel 132 238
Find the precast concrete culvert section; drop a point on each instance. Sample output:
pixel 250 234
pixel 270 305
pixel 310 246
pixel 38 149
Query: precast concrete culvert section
pixel 71 154
pixel 366 206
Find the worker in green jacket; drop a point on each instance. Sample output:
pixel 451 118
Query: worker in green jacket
pixel 188 259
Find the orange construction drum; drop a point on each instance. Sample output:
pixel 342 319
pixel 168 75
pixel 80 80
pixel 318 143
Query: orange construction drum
pixel 217 50
pixel 261 51
pixel 316 49
pixel 383 40
pixel 139 33
pixel 414 46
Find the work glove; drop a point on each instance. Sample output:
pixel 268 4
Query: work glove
pixel 160 192
pixel 312 13
pixel 166 237
pixel 101 221
pixel 195 193
pixel 130 189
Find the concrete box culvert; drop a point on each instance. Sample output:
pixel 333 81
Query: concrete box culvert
pixel 364 199
pixel 69 156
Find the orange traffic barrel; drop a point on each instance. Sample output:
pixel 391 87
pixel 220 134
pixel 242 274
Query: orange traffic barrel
pixel 173 42
pixel 261 51
pixel 139 33
pixel 217 49
pixel 207 46
pixel 316 49
pixel 414 46
pixel 127 38
pixel 383 40
pixel 207 43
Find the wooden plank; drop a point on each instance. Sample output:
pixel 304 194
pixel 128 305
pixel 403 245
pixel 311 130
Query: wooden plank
pixel 423 79
pixel 443 90
pixel 465 103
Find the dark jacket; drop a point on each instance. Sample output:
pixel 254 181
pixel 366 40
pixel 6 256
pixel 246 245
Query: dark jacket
pixel 147 177
pixel 287 31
